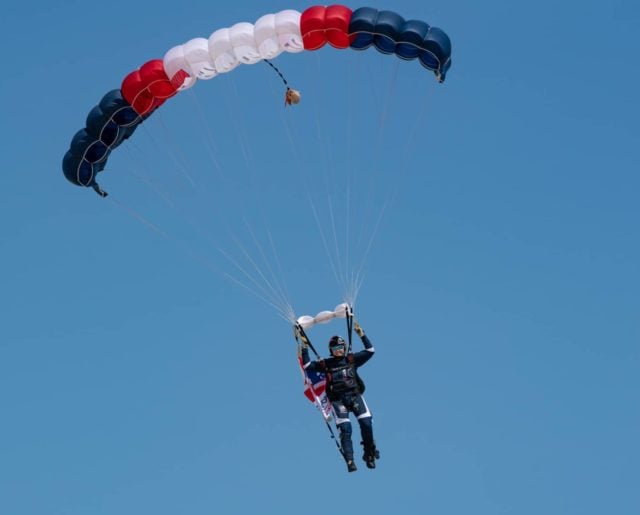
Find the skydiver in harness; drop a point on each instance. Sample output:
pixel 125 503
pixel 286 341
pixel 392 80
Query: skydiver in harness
pixel 344 390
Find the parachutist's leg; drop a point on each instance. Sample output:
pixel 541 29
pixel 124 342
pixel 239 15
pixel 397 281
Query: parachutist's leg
pixel 344 426
pixel 370 454
pixel 362 413
pixel 365 421
pixel 366 431
pixel 345 440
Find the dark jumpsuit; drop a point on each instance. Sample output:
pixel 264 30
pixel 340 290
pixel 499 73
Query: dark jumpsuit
pixel 344 390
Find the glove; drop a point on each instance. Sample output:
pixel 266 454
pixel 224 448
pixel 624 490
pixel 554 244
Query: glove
pixel 358 329
pixel 304 342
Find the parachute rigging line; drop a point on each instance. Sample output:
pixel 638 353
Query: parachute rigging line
pixel 275 68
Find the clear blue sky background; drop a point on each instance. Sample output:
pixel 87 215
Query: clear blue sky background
pixel 501 291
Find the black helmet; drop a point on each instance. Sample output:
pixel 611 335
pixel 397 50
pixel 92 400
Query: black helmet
pixel 335 342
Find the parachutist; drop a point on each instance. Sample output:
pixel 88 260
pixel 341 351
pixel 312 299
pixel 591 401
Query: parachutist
pixel 344 391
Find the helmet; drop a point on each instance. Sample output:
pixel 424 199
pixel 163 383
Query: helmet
pixel 335 343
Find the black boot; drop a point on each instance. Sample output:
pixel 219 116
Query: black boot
pixel 351 465
pixel 371 454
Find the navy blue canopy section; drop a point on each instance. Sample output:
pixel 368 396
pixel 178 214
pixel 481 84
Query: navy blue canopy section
pixel 108 124
pixel 390 33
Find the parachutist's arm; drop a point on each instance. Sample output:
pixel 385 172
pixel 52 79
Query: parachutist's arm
pixel 368 346
pixel 305 355
pixel 365 355
pixel 365 339
pixel 304 344
pixel 307 364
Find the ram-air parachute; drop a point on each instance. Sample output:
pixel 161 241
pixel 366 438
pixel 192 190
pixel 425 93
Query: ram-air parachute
pixel 120 111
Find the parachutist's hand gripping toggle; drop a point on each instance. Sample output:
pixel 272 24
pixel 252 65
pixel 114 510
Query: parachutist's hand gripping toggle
pixel 305 341
pixel 301 336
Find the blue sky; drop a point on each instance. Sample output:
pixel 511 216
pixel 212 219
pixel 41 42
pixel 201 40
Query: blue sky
pixel 501 288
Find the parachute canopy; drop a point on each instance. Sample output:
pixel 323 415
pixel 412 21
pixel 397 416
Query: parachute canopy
pixel 119 112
